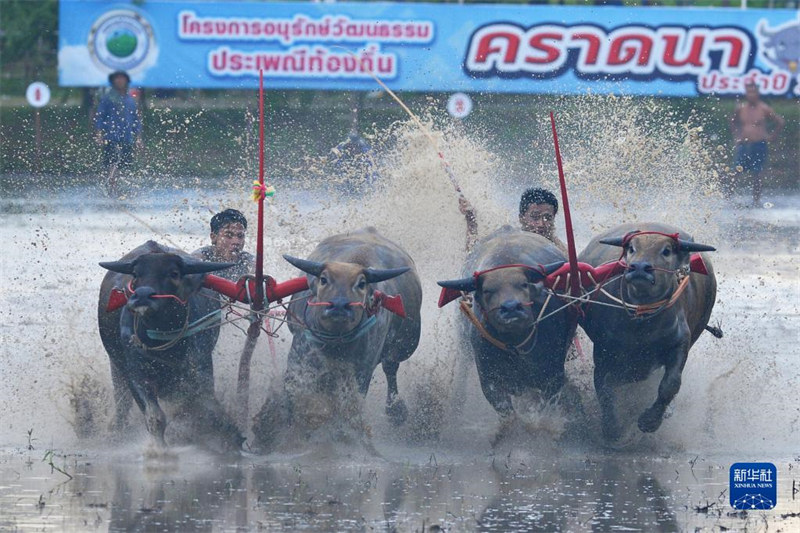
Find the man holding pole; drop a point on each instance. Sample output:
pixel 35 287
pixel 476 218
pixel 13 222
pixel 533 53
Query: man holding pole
pixel 117 127
pixel 537 214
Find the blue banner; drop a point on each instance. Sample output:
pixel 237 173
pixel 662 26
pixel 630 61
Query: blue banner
pixel 430 47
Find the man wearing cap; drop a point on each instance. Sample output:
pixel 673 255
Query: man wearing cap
pixel 228 230
pixel 117 127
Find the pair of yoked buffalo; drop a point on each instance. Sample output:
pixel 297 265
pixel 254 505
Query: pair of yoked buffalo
pixel 362 307
pixel 645 307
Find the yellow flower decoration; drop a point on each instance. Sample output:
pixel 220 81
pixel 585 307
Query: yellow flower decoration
pixel 262 191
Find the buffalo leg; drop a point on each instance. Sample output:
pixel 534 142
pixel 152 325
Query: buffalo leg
pixel 496 393
pixel 395 406
pixel 650 420
pixel 122 400
pixel 210 421
pixel 154 418
pixel 605 397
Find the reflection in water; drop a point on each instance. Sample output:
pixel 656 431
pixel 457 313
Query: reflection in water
pixel 574 492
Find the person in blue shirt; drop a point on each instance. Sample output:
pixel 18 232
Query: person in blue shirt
pixel 353 159
pixel 118 127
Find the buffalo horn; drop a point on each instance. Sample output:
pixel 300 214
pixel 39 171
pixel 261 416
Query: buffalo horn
pixel 374 276
pixel 613 241
pixel 203 267
pixel 309 267
pixel 552 267
pixel 120 267
pixel 465 284
pixel 688 246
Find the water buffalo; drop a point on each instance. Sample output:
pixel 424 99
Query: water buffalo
pixel 514 351
pixel 661 304
pixel 339 320
pixel 150 344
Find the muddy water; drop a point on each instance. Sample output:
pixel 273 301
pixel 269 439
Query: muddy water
pixel 60 469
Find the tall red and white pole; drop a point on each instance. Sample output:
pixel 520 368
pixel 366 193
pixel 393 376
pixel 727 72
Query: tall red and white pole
pixel 257 305
pixel 574 275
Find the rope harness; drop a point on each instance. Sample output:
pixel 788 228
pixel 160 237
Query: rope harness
pixel 173 337
pixel 641 311
pixel 178 336
pixel 206 322
pixel 588 297
pixel 516 349
pixel 465 304
pixel 368 320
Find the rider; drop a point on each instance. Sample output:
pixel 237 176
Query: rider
pixel 537 213
pixel 228 229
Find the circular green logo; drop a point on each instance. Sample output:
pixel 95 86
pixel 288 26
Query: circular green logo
pixel 121 43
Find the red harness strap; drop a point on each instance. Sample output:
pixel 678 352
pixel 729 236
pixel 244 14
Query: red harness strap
pixel 448 295
pixel 628 236
pixel 557 281
pixel 119 297
pixel 238 291
pixel 393 304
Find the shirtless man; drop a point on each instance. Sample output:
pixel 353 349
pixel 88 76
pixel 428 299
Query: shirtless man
pixel 750 125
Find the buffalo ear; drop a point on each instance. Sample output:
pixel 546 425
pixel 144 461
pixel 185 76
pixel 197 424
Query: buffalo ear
pixel 375 275
pixel 120 267
pixel 203 267
pixel 314 268
pixel 688 246
pixel 465 284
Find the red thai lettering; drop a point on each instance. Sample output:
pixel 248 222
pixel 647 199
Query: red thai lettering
pixel 591 51
pixel 504 43
pixel 630 48
pixel 735 46
pixel 538 43
pixel 691 57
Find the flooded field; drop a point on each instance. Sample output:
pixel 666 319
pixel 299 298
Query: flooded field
pixel 62 470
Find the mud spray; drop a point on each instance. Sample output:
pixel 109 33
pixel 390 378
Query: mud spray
pixel 625 161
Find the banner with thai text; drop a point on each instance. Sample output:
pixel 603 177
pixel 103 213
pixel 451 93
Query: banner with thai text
pixel 430 47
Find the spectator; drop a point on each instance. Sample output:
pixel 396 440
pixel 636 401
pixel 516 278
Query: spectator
pixel 353 158
pixel 117 127
pixel 228 229
pixel 750 125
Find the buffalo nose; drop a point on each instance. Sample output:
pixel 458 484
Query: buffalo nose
pixel 141 295
pixel 641 266
pixel 640 271
pixel 511 307
pixel 338 306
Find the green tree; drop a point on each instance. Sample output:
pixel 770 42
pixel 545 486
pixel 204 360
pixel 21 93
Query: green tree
pixel 28 37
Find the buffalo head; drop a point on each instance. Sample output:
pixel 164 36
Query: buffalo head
pixel 507 295
pixel 652 260
pixel 159 278
pixel 340 292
